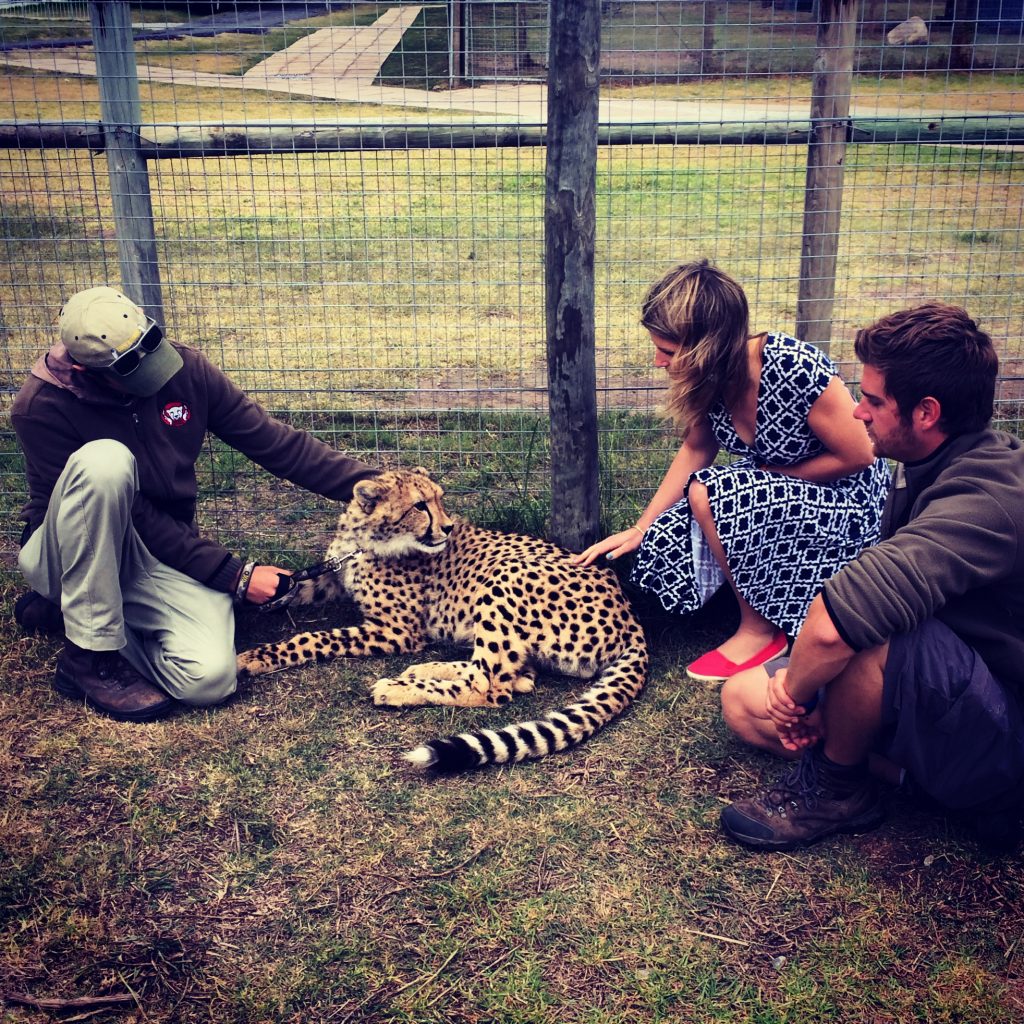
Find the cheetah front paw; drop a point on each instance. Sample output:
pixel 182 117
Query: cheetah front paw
pixel 394 693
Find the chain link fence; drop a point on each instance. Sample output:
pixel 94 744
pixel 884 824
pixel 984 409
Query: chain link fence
pixel 390 298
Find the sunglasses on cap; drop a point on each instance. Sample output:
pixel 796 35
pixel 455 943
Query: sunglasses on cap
pixel 127 362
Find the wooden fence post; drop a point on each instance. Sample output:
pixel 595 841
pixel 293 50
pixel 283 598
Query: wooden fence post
pixel 574 52
pixel 456 44
pixel 120 110
pixel 823 195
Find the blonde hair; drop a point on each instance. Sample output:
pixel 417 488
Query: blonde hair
pixel 704 311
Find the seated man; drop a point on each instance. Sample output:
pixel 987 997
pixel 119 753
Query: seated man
pixel 112 420
pixel 916 647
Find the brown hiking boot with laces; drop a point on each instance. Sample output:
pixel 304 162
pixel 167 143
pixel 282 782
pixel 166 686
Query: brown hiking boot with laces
pixel 109 684
pixel 815 799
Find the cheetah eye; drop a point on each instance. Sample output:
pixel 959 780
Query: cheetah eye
pixel 420 506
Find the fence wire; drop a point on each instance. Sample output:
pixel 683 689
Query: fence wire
pixel 392 300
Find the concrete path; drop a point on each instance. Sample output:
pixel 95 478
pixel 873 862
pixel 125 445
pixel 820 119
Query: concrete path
pixel 341 64
pixel 351 55
pixel 524 104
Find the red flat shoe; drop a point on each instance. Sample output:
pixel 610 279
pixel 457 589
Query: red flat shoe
pixel 716 668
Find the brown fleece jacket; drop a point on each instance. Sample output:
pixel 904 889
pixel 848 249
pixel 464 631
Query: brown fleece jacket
pixel 58 410
pixel 953 550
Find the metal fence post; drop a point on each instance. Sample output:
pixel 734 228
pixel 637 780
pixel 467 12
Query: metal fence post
pixel 569 233
pixel 823 195
pixel 120 109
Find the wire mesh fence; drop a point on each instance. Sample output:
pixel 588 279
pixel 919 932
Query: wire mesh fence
pixel 673 43
pixel 61 10
pixel 392 300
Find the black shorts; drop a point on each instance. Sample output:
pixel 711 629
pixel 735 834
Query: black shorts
pixel 949 722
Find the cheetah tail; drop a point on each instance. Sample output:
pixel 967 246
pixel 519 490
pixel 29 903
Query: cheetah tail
pixel 613 691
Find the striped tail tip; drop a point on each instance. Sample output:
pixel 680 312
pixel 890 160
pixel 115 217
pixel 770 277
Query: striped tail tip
pixel 421 757
pixel 446 756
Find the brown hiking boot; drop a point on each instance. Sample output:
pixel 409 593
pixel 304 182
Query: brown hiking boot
pixel 109 684
pixel 815 799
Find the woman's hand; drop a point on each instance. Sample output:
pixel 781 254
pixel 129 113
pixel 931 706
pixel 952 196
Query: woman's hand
pixel 778 705
pixel 797 727
pixel 613 546
pixel 698 452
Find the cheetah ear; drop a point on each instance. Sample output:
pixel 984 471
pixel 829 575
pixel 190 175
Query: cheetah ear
pixel 422 472
pixel 367 493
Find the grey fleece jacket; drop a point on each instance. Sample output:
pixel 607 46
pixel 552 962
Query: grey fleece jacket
pixel 58 410
pixel 952 549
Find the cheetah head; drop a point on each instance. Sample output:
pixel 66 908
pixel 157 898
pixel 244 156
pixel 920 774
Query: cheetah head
pixel 398 513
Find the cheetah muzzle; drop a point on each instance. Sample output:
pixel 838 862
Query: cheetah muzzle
pixel 419 576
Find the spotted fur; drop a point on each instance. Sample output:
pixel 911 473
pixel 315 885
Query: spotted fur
pixel 419 576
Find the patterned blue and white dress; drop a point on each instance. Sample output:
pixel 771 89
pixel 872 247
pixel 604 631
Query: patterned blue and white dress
pixel 783 537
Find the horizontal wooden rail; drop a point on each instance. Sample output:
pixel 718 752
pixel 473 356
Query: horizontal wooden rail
pixel 177 141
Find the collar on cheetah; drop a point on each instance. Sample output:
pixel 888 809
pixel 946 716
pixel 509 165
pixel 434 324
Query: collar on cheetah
pixel 287 586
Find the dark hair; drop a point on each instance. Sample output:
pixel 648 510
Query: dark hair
pixel 934 351
pixel 704 311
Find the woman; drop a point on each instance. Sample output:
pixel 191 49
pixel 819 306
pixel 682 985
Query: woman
pixel 803 496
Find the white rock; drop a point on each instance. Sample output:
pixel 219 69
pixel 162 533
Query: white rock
pixel 911 32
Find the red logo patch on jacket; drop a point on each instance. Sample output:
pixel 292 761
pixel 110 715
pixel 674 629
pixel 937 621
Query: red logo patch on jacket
pixel 176 414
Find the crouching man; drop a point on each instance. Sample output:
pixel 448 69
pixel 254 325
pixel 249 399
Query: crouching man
pixel 112 420
pixel 915 649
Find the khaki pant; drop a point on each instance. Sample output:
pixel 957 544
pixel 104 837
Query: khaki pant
pixel 88 558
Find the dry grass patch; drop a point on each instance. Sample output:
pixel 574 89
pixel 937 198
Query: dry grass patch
pixel 275 860
pixel 983 92
pixel 47 96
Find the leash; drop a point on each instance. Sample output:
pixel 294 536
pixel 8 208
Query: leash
pixel 287 587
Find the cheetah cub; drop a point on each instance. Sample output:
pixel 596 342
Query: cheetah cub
pixel 419 576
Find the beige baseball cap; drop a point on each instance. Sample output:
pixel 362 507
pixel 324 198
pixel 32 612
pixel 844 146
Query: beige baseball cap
pixel 104 330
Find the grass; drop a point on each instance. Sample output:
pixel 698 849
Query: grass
pixel 17 29
pixel 318 257
pixel 400 288
pixel 758 50
pixel 273 860
pixel 910 93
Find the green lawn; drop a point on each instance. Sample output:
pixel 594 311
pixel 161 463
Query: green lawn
pixel 390 285
pixel 275 860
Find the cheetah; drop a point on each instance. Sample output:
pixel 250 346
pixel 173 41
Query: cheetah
pixel 419 576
